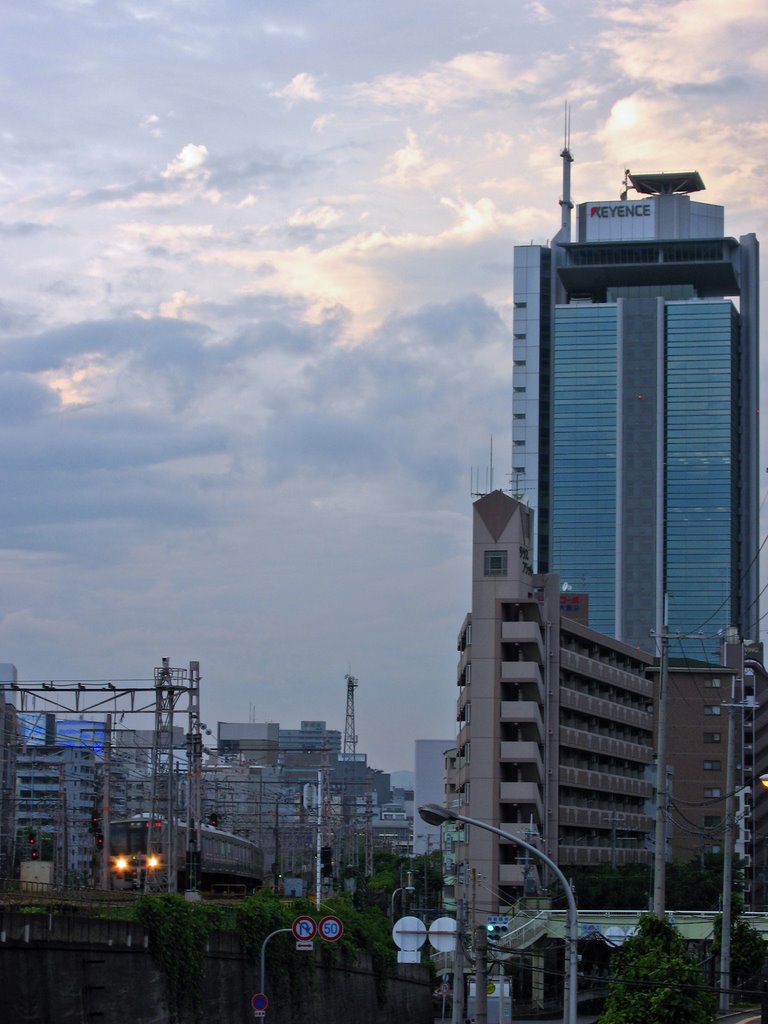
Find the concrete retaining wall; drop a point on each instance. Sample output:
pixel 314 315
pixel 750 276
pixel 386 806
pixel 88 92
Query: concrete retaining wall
pixel 73 970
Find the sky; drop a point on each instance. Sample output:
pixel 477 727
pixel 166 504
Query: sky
pixel 255 315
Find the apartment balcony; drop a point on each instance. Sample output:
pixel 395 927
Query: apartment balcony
pixel 592 668
pixel 596 743
pixel 511 874
pixel 525 830
pixel 523 633
pixel 521 752
pixel 522 794
pixel 603 782
pixel 608 710
pixel 522 712
pixel 591 856
pixel 525 673
pixel 464 658
pixel 594 818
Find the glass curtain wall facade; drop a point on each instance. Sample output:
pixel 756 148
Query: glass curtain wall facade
pixel 584 454
pixel 701 474
pixel 618 448
pixel 634 415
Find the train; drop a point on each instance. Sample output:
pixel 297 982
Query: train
pixel 229 864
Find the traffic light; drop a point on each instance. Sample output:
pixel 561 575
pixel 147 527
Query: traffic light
pixel 32 839
pixel 35 855
pixel 213 820
pixel 100 840
pixel 326 861
pixel 93 828
pixel 497 927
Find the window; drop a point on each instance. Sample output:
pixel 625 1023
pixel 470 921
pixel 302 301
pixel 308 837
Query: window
pixel 712 766
pixel 712 684
pixel 712 737
pixel 711 709
pixel 495 563
pixel 712 820
pixel 712 793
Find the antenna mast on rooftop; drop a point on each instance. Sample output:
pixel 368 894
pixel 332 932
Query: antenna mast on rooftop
pixel 350 738
pixel 566 203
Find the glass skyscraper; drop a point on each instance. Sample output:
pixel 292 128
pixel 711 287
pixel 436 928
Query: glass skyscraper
pixel 635 432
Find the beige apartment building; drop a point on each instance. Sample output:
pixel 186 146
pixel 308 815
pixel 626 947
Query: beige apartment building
pixel 555 739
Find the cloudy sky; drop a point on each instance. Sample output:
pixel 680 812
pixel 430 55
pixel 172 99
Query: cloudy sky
pixel 255 315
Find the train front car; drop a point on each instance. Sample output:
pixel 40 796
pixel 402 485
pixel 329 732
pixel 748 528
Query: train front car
pixel 136 848
pixel 141 859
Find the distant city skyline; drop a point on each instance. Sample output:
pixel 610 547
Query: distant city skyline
pixel 256 317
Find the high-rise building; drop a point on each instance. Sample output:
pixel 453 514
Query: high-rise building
pixel 556 721
pixel 635 428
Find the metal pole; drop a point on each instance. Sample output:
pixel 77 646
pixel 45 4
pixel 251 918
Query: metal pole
pixel 481 975
pixel 457 1009
pixel 105 799
pixel 660 848
pixel 731 645
pixel 319 851
pixel 571 984
pixel 262 974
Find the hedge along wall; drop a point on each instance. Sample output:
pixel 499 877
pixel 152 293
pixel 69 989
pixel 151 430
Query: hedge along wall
pixel 72 970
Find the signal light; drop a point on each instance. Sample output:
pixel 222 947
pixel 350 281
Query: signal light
pixel 497 927
pixel 213 820
pixel 35 855
pixel 100 840
pixel 32 838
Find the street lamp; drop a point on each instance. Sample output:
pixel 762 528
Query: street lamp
pixel 408 887
pixel 435 814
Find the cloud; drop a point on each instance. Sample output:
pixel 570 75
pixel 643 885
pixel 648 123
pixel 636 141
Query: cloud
pixel 409 166
pixel 187 163
pixel 302 87
pixel 322 216
pixel 665 44
pixel 464 79
pixel 538 12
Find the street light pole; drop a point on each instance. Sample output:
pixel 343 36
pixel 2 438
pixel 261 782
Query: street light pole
pixel 435 814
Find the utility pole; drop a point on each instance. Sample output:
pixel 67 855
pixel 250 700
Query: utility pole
pixel 732 656
pixel 660 850
pixel 457 1009
pixel 481 975
pixel 106 797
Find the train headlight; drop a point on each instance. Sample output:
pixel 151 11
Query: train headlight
pixel 121 863
pixel 153 861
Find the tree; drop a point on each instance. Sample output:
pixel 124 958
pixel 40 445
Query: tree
pixel 747 949
pixel 656 980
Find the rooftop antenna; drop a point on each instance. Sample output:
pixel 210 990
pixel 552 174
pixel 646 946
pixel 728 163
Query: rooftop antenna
pixel 566 203
pixel 626 186
pixel 490 474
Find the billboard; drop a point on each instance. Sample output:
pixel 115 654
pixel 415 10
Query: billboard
pixel 618 221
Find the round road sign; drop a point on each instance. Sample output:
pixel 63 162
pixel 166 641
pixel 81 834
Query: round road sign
pixel 259 1001
pixel 304 929
pixel 330 929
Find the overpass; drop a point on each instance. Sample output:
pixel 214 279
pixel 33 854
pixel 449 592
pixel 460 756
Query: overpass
pixel 528 925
